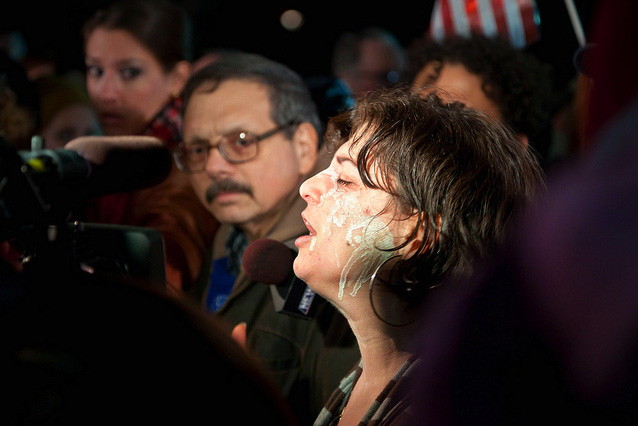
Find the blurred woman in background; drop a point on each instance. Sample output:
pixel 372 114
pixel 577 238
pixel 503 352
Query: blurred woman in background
pixel 137 56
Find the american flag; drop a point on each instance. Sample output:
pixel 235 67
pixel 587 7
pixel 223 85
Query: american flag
pixel 515 20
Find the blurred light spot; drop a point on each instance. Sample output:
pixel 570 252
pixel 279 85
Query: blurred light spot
pixel 292 20
pixel 393 76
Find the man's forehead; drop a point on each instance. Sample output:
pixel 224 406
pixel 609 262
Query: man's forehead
pixel 233 105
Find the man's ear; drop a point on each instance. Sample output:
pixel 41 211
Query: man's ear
pixel 306 141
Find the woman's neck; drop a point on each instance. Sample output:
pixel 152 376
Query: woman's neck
pixel 384 349
pixel 381 359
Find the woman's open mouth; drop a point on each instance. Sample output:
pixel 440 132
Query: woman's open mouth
pixel 308 225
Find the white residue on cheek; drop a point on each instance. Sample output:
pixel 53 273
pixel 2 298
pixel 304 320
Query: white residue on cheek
pixel 367 255
pixel 366 233
pixel 353 239
pixel 332 175
pixel 345 207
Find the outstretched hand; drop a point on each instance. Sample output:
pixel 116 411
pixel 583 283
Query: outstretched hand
pixel 239 334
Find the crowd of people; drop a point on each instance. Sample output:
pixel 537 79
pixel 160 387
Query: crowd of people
pixel 469 266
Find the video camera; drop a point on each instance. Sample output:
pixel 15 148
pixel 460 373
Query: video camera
pixel 40 189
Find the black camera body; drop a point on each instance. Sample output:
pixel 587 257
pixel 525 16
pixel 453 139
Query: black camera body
pixel 36 205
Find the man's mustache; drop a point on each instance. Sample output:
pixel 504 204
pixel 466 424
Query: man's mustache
pixel 226 185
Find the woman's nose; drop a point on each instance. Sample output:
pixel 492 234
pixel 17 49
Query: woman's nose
pixel 313 188
pixel 106 88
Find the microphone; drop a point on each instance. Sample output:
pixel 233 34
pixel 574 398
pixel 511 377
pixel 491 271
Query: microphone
pixel 270 262
pixel 100 165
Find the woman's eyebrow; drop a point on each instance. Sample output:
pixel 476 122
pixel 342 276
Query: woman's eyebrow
pixel 341 159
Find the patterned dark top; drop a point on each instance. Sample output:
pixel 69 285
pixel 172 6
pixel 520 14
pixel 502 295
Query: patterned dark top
pixel 391 404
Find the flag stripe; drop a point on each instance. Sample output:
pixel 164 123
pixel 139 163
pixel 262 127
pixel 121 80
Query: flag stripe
pixel 530 26
pixel 514 20
pixel 461 24
pixel 473 15
pixel 514 23
pixel 487 18
pixel 499 18
pixel 437 31
pixel 446 18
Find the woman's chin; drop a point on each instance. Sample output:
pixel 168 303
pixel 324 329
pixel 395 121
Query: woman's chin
pixel 304 271
pixel 297 267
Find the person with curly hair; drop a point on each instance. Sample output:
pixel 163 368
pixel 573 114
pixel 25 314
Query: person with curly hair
pixel 490 75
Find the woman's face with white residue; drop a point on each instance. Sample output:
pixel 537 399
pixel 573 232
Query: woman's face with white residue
pixel 349 225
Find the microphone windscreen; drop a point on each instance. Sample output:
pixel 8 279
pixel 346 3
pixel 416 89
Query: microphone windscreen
pixel 122 163
pixel 268 261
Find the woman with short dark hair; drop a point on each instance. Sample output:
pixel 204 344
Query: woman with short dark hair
pixel 417 192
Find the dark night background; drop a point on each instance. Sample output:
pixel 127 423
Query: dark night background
pixel 52 28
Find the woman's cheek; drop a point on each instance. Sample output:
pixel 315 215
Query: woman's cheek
pixel 356 238
pixel 351 236
pixel 371 236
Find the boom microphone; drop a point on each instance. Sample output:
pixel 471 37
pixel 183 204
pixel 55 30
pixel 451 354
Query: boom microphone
pixel 99 165
pixel 270 262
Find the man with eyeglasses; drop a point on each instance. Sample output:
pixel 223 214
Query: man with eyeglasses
pixel 251 136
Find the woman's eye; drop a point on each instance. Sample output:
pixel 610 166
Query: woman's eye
pixel 93 70
pixel 343 183
pixel 130 72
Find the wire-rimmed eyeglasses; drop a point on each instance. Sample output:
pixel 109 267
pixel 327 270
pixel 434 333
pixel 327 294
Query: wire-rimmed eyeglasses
pixel 235 147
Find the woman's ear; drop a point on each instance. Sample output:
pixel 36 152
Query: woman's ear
pixel 306 142
pixel 424 232
pixel 179 75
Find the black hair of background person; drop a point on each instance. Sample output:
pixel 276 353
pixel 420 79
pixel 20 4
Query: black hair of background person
pixel 517 82
pixel 14 79
pixel 307 51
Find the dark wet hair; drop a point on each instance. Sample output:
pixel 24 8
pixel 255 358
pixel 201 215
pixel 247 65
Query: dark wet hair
pixel 464 175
